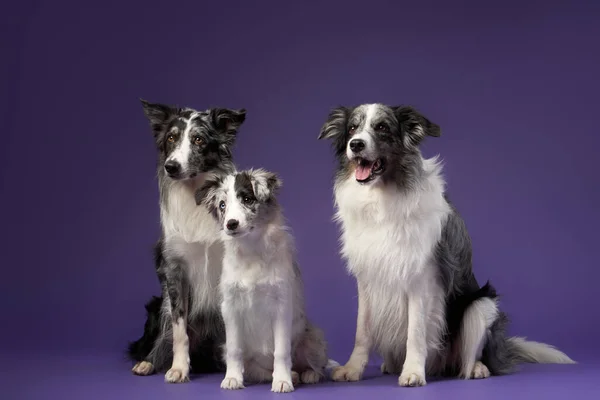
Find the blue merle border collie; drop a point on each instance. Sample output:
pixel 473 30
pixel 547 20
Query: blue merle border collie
pixel 419 304
pixel 184 328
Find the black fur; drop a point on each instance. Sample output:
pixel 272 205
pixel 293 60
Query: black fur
pixel 212 134
pixel 396 133
pixel 206 332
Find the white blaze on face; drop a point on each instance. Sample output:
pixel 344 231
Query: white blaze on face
pixel 368 155
pixel 234 209
pixel 365 133
pixel 181 154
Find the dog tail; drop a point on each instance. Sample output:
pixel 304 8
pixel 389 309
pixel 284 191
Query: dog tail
pixel 331 364
pixel 502 354
pixel 139 349
pixel 536 352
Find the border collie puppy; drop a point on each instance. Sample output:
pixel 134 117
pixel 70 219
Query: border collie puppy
pixel 184 325
pixel 268 334
pixel 419 304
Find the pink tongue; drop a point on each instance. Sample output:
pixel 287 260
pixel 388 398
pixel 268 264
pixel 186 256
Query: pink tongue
pixel 363 172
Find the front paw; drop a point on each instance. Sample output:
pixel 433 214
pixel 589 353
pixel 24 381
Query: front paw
pixel 346 373
pixel 230 383
pixel 412 377
pixel 177 375
pixel 282 386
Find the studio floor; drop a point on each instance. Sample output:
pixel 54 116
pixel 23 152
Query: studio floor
pixel 94 377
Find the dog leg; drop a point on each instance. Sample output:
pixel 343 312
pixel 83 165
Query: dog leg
pixel 359 358
pixel 413 370
pixel 282 356
pixel 178 296
pixel 310 358
pixel 234 355
pixel 476 321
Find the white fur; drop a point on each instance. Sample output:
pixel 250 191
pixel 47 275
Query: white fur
pixel 388 239
pixel 192 234
pixel 181 153
pixel 262 303
pixel 365 134
pixel 475 324
pixel 540 352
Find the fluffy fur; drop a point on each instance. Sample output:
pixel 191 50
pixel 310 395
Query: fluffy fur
pixel 268 334
pixel 184 326
pixel 419 304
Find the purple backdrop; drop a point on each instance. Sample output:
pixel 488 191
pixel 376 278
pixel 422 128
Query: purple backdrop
pixel 514 87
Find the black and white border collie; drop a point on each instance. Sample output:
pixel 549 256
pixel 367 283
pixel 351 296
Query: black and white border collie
pixel 419 304
pixel 184 325
pixel 269 337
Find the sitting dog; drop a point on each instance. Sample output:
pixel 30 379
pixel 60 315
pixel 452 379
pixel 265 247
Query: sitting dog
pixel 419 304
pixel 268 334
pixel 184 325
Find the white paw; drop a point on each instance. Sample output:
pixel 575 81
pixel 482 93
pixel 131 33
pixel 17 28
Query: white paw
pixel 412 377
pixel 143 368
pixel 232 383
pixel 346 373
pixel 310 376
pixel 177 375
pixel 295 378
pixel 480 371
pixel 282 386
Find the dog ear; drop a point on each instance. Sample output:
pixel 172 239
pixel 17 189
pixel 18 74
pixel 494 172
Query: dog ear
pixel 265 184
pixel 414 125
pixel 336 128
pixel 335 125
pixel 159 115
pixel 206 195
pixel 227 121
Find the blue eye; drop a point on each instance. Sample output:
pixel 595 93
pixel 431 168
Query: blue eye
pixel 222 205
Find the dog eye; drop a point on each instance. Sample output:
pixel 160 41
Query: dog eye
pixel 222 205
pixel 171 138
pixel 352 128
pixel 382 127
pixel 198 141
pixel 246 199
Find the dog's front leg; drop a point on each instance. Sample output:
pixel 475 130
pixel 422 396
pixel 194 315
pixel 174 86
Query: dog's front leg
pixel 413 370
pixel 178 297
pixel 234 354
pixel 282 334
pixel 359 358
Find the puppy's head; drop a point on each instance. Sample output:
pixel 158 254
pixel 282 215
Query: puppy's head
pixel 241 202
pixel 375 141
pixel 191 142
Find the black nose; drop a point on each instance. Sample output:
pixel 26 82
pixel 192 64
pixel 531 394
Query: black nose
pixel 172 167
pixel 357 145
pixel 232 224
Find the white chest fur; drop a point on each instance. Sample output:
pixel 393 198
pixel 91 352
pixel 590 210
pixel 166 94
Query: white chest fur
pixel 254 286
pixel 192 234
pixel 388 240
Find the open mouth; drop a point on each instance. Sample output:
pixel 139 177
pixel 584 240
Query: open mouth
pixel 367 170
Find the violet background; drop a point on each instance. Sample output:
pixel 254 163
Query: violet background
pixel 514 86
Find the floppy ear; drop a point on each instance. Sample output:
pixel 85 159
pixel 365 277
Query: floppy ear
pixel 159 115
pixel 265 184
pixel 414 125
pixel 335 125
pixel 227 121
pixel 206 195
pixel 336 128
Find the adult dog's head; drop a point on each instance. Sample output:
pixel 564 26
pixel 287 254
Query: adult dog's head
pixel 242 202
pixel 191 142
pixel 378 143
